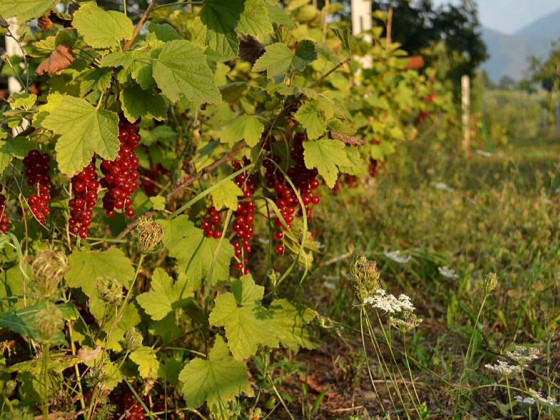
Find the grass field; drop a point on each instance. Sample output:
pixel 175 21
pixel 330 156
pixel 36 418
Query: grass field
pixel 474 216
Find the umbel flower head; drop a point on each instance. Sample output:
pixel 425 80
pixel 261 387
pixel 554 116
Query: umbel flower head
pixel 50 321
pixel 365 278
pixel 397 256
pixel 48 268
pixel 503 369
pixel 523 355
pixel 149 235
pixel 407 322
pixel 389 303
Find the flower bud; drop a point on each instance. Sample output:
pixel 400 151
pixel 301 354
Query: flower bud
pixel 49 322
pixel 490 283
pixel 109 290
pixel 365 278
pixel 149 235
pixel 48 270
pixel 133 339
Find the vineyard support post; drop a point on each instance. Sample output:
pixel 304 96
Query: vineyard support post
pixel 466 104
pixel 361 17
pixel 558 117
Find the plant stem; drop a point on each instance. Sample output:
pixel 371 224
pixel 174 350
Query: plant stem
pixel 468 355
pixel 46 382
pixel 140 25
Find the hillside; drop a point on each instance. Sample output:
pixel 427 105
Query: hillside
pixel 547 27
pixel 509 53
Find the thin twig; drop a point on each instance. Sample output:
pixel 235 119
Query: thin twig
pixel 331 71
pixel 140 25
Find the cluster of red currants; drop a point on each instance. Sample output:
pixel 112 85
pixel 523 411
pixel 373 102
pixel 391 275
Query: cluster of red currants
pixel 244 218
pixel 212 225
pixel 121 175
pixel 37 168
pixel 85 186
pixel 131 407
pixel 305 181
pixel 4 220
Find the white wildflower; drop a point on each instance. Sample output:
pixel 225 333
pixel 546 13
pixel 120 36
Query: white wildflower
pixel 528 400
pixel 523 355
pixel 442 186
pixel 503 368
pixel 389 303
pixel 484 153
pixel 548 401
pixel 398 256
pixel 448 272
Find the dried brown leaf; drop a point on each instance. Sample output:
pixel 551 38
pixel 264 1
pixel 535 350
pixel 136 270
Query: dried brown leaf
pixel 61 58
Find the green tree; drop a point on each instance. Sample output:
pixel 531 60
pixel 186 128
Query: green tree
pixel 418 25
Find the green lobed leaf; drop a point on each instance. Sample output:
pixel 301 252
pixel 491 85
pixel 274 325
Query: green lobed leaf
pixel 310 116
pixel 5 155
pixel 215 380
pixel 220 20
pixel 22 100
pixel 246 127
pixel 87 266
pixel 147 362
pixel 83 129
pixel 254 19
pixel 98 79
pixel 225 196
pixel 279 16
pixel 25 10
pixel 198 257
pixel 181 71
pixel 100 28
pixel 246 321
pixel 290 325
pixel 276 60
pixel 305 53
pixel 158 302
pixel 327 156
pixel 116 329
pixel 146 104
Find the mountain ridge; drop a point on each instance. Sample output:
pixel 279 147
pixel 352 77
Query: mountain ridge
pixel 547 27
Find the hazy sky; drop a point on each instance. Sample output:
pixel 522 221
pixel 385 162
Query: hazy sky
pixel 508 16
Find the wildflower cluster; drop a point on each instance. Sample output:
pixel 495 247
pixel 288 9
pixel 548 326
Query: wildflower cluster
pixel 407 322
pixel 448 272
pixel 545 401
pixel 389 303
pixel 503 368
pixel 523 355
pixel 397 256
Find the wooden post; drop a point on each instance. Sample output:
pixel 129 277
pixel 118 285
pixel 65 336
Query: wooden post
pixel 361 17
pixel 558 117
pixel 466 105
pixel 389 27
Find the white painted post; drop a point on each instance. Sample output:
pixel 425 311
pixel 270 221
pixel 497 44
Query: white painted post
pixel 361 17
pixel 466 104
